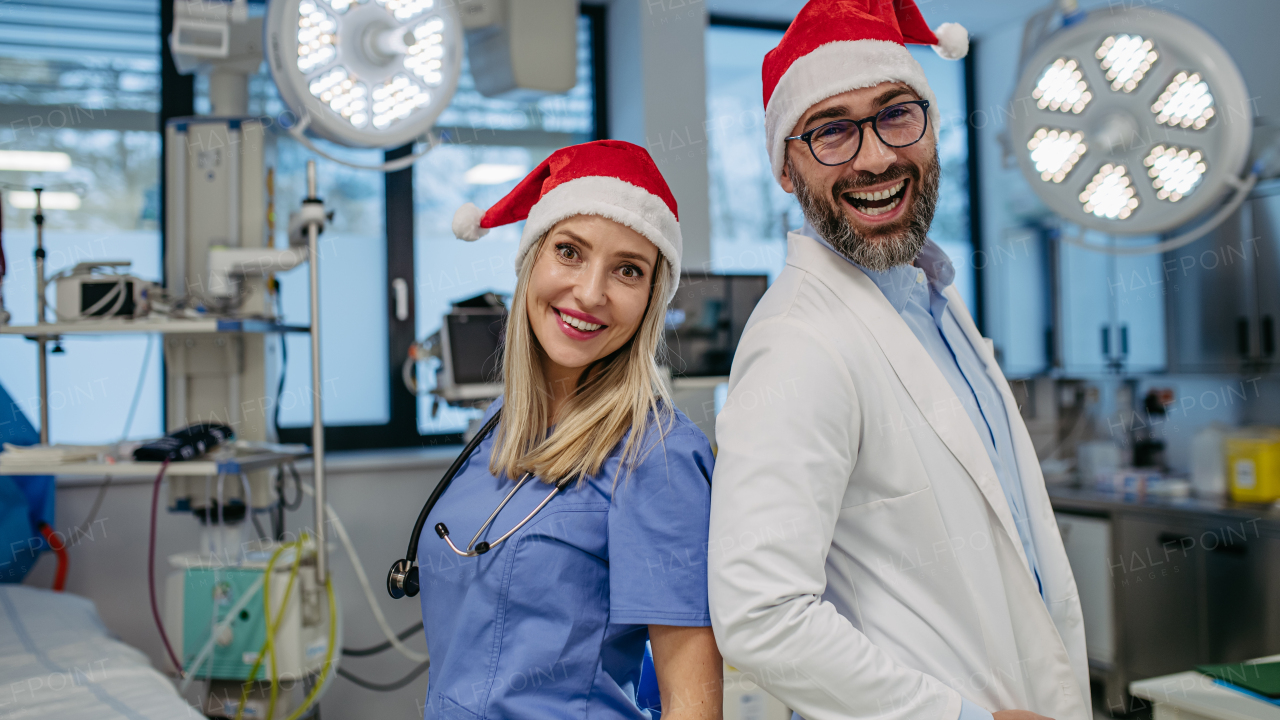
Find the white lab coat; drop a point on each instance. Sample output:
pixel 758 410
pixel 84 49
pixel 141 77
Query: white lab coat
pixel 863 561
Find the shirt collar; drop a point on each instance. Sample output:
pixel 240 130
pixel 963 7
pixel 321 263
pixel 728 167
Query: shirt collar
pixel 897 282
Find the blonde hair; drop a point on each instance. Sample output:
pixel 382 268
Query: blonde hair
pixel 615 394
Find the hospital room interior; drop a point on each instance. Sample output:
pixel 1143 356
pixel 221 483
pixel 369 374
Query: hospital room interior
pixel 242 344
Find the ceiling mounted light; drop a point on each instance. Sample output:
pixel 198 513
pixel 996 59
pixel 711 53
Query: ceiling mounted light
pixel 1110 194
pixel 1055 152
pixel 1126 60
pixel 1170 79
pixel 34 161
pixel 1185 103
pixel 369 73
pixel 1062 87
pixel 1174 171
pixel 26 200
pixel 493 174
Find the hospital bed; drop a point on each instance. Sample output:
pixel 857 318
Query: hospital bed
pixel 59 662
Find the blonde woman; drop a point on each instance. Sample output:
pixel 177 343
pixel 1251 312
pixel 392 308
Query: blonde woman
pixel 587 501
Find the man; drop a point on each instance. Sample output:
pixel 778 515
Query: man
pixel 882 545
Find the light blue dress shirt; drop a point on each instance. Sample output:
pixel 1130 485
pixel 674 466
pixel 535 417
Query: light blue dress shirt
pixel 916 295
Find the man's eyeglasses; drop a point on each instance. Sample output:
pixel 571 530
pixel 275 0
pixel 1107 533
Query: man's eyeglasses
pixel 838 142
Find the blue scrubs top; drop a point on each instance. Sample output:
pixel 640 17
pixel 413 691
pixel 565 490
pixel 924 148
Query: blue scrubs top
pixel 552 623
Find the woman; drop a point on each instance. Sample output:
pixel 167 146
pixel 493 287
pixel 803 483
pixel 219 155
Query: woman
pixel 545 612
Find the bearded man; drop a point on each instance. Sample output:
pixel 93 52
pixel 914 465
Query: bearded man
pixel 882 545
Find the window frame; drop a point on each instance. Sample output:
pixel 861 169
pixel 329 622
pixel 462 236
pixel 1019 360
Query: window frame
pixel 177 99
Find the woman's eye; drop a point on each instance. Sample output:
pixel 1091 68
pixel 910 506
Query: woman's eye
pixel 568 252
pixel 631 272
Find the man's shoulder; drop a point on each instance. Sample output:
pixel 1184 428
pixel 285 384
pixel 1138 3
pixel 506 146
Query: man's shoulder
pixel 801 298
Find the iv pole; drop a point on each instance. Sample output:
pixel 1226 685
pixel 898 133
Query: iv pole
pixel 42 364
pixel 317 417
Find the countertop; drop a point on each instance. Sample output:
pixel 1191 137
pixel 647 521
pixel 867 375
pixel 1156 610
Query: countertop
pixel 1085 500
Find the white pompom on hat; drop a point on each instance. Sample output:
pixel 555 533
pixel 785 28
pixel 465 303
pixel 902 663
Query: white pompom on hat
pixel 609 178
pixel 834 46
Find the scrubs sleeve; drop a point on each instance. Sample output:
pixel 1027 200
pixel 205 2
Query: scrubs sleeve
pixel 658 534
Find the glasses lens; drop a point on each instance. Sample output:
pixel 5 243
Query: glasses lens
pixel 901 125
pixel 835 142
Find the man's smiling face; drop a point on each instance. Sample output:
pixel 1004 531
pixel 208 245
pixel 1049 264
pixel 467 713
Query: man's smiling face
pixel 876 208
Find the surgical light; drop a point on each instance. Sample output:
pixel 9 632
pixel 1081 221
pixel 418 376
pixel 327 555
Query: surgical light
pixel 365 73
pixel 1055 152
pixel 1174 171
pixel 1126 60
pixel 34 161
pixel 1152 107
pixel 1062 87
pixel 1185 103
pixel 1110 193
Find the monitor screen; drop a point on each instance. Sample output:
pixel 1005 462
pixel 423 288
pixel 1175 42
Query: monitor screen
pixel 475 345
pixel 706 318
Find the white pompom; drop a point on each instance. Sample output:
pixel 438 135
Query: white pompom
pixel 953 41
pixel 466 223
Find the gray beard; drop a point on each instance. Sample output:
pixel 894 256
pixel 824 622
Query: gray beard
pixel 896 244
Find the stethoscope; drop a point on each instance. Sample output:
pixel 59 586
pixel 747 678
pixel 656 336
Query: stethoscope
pixel 402 579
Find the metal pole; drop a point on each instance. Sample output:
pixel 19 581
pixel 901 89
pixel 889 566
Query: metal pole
pixel 42 364
pixel 317 417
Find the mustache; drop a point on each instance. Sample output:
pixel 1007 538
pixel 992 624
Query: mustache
pixel 864 179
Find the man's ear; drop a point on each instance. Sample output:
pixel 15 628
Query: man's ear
pixel 785 180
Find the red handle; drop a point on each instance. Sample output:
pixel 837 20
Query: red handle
pixel 59 549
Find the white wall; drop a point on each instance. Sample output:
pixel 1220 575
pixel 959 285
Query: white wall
pixel 658 100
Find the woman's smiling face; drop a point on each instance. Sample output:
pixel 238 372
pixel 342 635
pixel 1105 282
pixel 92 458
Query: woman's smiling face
pixel 588 291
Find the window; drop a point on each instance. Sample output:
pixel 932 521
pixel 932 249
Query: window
pixel 750 213
pixel 84 81
pixel 96 94
pixel 494 144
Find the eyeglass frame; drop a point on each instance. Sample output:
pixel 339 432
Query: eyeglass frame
pixel 807 136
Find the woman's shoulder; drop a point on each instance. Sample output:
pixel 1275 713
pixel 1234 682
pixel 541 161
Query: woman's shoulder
pixel 669 424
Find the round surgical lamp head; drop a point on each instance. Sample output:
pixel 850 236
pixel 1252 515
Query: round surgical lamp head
pixel 366 73
pixel 1131 122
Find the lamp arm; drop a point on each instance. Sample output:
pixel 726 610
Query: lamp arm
pixel 298 132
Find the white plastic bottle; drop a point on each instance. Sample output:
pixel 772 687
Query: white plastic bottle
pixel 1208 463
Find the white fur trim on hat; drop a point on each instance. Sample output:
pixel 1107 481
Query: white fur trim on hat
pixel 466 223
pixel 610 198
pixel 953 41
pixel 832 69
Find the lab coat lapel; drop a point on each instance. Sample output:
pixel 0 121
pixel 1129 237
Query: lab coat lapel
pixel 925 383
pixel 1023 448
pixel 1049 552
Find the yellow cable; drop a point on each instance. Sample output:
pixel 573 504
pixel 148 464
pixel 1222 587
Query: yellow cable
pixel 266 595
pixel 328 656
pixel 273 628
pixel 257 662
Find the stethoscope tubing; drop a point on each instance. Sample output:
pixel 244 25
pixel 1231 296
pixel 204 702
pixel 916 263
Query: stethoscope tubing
pixel 412 554
pixel 473 549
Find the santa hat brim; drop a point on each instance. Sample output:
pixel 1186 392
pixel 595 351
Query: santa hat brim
pixel 612 199
pixel 836 68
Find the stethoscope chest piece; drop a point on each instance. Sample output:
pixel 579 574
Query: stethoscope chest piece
pixel 403 579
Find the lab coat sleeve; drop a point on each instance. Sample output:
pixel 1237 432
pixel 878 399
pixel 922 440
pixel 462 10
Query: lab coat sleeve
pixel 788 440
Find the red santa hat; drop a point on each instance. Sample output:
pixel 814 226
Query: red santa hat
pixel 834 46
pixel 610 178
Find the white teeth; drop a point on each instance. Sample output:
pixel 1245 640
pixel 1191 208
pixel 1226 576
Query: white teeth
pixel 881 210
pixel 579 324
pixel 878 195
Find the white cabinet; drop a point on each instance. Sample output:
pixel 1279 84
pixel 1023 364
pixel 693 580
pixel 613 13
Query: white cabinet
pixel 1088 544
pixel 1110 309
